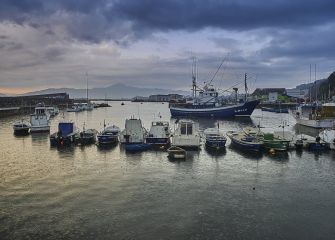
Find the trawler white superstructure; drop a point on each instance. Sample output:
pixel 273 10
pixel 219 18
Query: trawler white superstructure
pixel 186 134
pixel 134 132
pixel 40 119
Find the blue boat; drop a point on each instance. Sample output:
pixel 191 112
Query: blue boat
pixel 136 147
pixel 206 102
pixel 245 142
pixel 109 135
pixel 66 135
pixel 229 111
pixel 214 139
pixel 318 145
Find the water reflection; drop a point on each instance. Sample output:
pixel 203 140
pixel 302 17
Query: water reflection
pixel 215 152
pixel 106 148
pixel 246 154
pixel 40 137
pixel 65 152
pixel 281 157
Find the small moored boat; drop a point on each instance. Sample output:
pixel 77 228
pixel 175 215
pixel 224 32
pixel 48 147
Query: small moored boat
pixel 159 134
pixel 66 135
pixel 186 135
pixel 21 128
pixel 176 153
pixel 39 121
pixel 328 136
pixel 88 136
pixel 133 136
pixel 245 141
pixel 214 138
pixel 109 135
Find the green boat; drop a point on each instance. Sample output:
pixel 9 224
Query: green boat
pixel 270 142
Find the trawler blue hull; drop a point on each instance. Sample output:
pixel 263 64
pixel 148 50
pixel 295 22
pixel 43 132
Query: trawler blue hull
pixel 238 110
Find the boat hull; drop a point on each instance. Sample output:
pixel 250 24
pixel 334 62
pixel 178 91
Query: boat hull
pixel 317 146
pixel 275 110
pixel 216 144
pixel 38 129
pixel 277 145
pixel 21 131
pixel 246 146
pixel 157 141
pixel 107 139
pixel 62 141
pixel 318 124
pixel 240 110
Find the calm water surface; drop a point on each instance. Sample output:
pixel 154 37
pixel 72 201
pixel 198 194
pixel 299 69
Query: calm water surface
pixel 92 193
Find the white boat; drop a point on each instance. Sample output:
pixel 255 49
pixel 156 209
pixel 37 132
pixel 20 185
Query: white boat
pixel 75 108
pixel 52 111
pixel 176 153
pixel 88 106
pixel 159 133
pixel 186 134
pixel 328 136
pixel 21 127
pixel 39 121
pixel 316 116
pixel 134 132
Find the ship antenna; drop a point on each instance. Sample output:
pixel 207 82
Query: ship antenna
pixel 194 77
pixel 245 86
pixel 217 71
pixel 87 87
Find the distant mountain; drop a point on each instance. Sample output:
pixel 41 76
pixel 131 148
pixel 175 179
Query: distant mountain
pixel 320 89
pixel 309 85
pixel 114 91
pixel 325 90
pixel 2 95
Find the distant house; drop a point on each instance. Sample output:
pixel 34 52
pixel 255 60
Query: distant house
pixel 273 96
pixel 140 99
pixel 165 98
pixel 175 97
pixel 159 98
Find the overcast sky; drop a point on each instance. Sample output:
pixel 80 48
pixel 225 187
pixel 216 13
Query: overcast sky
pixel 150 43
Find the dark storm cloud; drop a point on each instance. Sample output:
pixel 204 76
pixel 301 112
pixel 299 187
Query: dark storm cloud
pixel 317 43
pixel 128 19
pixel 234 15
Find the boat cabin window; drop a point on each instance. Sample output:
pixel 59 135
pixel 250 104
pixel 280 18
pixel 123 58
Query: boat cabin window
pixel 183 129
pixel 189 129
pixel 186 129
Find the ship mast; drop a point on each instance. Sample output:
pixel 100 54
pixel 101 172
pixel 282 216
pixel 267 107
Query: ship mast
pixel 194 78
pixel 245 87
pixel 87 87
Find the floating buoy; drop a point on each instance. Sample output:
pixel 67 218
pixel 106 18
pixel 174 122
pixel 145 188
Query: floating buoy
pixel 272 151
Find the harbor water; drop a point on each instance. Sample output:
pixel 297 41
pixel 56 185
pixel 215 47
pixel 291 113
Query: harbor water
pixel 85 192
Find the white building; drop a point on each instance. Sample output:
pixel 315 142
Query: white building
pixel 297 93
pixel 273 96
